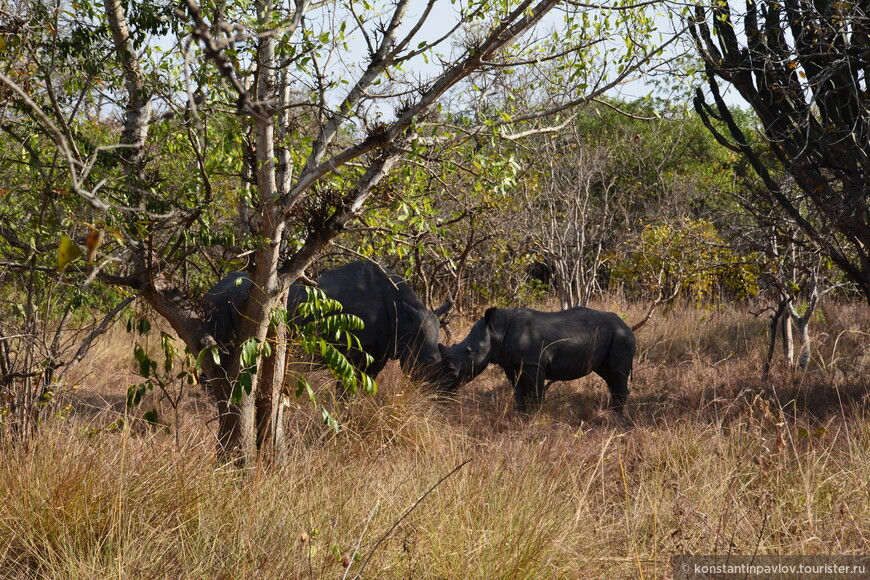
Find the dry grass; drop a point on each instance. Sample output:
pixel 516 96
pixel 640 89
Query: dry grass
pixel 708 459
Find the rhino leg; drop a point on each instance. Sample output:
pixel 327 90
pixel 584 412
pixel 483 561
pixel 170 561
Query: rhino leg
pixel 617 381
pixel 529 388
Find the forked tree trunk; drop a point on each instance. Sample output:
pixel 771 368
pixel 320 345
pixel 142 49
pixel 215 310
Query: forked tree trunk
pixel 802 323
pixel 773 330
pixel 803 328
pixel 781 323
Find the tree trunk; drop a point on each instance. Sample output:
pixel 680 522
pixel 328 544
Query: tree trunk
pixel 774 329
pixel 137 116
pixel 229 415
pixel 786 330
pixel 803 325
pixel 272 384
pixel 269 226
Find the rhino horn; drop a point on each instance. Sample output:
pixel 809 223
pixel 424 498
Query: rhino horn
pixel 444 309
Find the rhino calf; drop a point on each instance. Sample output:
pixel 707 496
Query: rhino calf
pixel 533 347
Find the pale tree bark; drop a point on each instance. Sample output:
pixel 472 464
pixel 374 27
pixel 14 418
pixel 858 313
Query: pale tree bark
pixel 785 319
pixel 773 329
pixel 786 333
pixel 269 225
pixel 137 117
pixel 802 321
pixel 269 434
pixel 570 222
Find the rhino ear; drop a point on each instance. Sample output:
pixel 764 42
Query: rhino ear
pixel 490 314
pixel 444 308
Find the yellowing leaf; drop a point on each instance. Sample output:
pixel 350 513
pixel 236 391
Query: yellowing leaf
pixel 67 251
pixel 93 241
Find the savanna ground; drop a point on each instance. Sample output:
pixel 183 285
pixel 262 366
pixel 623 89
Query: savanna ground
pixel 708 459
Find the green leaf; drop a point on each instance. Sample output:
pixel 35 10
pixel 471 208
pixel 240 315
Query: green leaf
pixel 329 420
pixel 145 363
pixel 135 394
pixel 369 386
pixel 143 326
pixel 246 381
pixel 236 396
pixel 213 351
pixel 249 353
pixel 151 416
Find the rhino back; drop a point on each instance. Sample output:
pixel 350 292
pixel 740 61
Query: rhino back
pixel 386 303
pixel 569 343
pixel 365 294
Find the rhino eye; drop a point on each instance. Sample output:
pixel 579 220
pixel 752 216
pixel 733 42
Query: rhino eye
pixel 468 350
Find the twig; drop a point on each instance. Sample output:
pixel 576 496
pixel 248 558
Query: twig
pixel 361 535
pixel 100 329
pixel 655 305
pixel 410 509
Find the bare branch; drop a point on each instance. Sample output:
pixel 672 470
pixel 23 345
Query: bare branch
pixel 380 59
pixel 502 34
pixel 658 302
pixel 60 142
pixel 214 52
pixel 100 329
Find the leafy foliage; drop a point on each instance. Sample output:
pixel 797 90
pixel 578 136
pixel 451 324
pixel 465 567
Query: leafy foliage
pixel 321 330
pixel 689 256
pixel 497 221
pixel 170 377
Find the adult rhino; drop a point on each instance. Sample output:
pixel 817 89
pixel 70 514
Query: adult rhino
pixel 397 324
pixel 533 346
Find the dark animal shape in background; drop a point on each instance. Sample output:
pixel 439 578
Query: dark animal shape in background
pixel 397 324
pixel 224 304
pixel 533 347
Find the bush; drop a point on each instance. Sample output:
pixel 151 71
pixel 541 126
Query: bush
pixel 690 254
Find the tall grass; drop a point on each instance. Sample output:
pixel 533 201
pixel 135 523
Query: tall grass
pixel 708 459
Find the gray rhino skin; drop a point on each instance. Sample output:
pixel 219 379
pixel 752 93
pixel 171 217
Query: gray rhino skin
pixel 533 346
pixel 225 302
pixel 397 324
